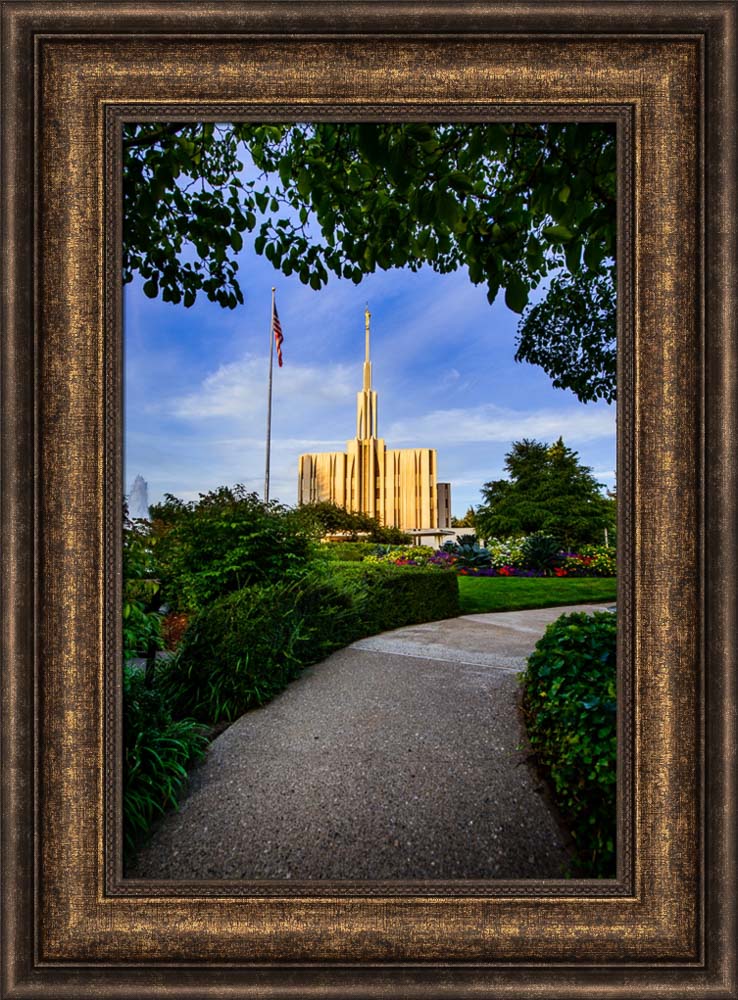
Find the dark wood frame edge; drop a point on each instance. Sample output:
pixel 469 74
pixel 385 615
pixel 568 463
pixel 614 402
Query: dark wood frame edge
pixel 22 566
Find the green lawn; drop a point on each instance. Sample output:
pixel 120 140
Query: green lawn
pixel 498 593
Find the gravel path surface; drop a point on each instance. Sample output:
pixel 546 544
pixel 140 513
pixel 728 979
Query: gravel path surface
pixel 396 758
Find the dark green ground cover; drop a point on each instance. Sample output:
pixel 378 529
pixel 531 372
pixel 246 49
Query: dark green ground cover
pixel 481 594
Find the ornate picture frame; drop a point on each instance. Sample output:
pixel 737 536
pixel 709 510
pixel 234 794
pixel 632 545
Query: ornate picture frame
pixel 72 73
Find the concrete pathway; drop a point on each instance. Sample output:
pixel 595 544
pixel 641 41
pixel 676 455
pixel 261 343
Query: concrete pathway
pixel 398 757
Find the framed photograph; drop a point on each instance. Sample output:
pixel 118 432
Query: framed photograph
pixel 103 105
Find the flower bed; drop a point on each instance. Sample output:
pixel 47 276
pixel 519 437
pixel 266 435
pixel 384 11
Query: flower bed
pixel 591 560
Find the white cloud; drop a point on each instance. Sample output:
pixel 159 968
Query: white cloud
pixel 489 423
pixel 238 390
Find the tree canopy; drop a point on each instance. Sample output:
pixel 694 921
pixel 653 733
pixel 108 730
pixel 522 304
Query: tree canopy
pixel 516 205
pixel 547 490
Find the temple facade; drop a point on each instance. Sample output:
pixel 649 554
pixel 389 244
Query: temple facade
pixel 397 486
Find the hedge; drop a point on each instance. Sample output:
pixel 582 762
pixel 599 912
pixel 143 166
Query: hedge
pixel 387 596
pixel 570 710
pixel 244 648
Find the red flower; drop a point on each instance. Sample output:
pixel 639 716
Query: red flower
pixel 560 571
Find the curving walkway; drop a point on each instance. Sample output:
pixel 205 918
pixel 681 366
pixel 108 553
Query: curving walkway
pixel 397 757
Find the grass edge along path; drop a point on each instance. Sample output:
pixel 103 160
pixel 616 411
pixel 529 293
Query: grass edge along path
pixel 482 594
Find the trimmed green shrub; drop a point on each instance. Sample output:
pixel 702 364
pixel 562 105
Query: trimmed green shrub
pixel 157 753
pixel 387 596
pixel 570 711
pixel 244 648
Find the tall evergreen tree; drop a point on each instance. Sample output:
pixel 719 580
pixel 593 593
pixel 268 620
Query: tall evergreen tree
pixel 548 490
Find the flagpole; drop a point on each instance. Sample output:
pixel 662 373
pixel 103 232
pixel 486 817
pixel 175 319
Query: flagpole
pixel 269 404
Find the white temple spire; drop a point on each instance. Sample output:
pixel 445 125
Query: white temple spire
pixel 367 362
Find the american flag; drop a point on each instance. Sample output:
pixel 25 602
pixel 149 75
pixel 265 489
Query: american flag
pixel 278 337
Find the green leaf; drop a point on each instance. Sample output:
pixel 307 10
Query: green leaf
pixel 370 145
pixel 557 233
pixel 594 254
pixel 459 182
pixel 573 255
pixel 151 288
pixel 449 209
pixel 303 183
pixel 516 293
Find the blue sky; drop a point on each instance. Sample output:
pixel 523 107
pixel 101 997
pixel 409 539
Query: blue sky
pixel 443 368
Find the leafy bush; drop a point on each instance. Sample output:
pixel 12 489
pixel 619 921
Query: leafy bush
pixel 244 648
pixel 141 598
pixel 227 540
pixel 569 698
pixel 471 555
pixel 158 751
pixel 541 551
pixel 325 518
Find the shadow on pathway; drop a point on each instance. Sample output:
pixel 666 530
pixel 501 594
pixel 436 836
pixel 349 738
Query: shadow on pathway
pixel 396 758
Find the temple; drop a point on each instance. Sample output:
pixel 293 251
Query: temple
pixel 397 486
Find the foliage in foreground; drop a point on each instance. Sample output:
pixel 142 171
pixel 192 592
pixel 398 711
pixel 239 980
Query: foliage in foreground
pixel 570 709
pixel 512 204
pixel 227 539
pixel 158 751
pixel 141 599
pixel 244 648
